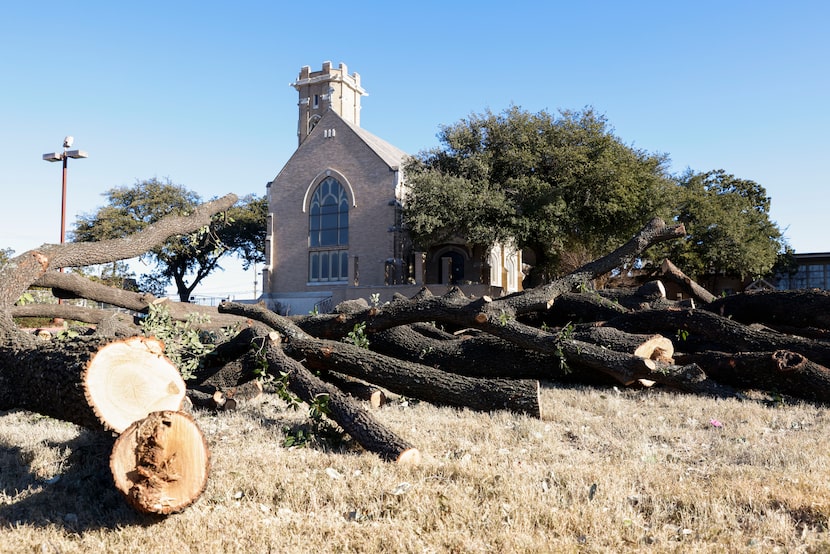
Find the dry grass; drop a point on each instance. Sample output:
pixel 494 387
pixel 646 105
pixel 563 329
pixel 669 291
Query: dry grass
pixel 602 471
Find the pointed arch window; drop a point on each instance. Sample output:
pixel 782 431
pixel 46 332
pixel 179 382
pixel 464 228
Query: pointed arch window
pixel 328 232
pixel 328 215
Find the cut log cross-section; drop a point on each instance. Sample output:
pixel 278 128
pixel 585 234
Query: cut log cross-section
pixel 94 382
pixel 161 463
pixel 126 380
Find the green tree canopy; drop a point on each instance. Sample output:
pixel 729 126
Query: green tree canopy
pixel 184 260
pixel 728 226
pixel 552 184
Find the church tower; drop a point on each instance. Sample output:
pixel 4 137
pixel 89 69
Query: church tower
pixel 328 88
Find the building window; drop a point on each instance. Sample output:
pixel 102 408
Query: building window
pixel 316 101
pixel 328 266
pixel 328 233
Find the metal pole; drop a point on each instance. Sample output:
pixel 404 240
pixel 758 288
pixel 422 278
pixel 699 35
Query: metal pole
pixel 63 200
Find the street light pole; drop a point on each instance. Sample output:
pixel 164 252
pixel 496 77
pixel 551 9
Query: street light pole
pixel 64 157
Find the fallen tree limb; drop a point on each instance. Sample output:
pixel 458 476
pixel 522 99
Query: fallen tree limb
pixel 719 333
pixel 93 382
pixel 69 312
pixel 69 285
pixel 20 272
pixel 788 308
pixel 781 371
pixel 481 355
pixel 673 273
pixel 420 381
pixel 398 376
pixel 344 411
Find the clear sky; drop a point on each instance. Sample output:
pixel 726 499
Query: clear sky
pixel 199 92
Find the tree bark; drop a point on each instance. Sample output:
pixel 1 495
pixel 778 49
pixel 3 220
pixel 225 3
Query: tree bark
pixel 93 382
pixel 702 330
pixel 790 308
pixel 781 371
pixel 69 285
pixel 420 381
pixel 650 347
pixel 480 355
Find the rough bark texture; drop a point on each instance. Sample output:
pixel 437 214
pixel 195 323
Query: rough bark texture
pixel 789 308
pixel 782 371
pixel 420 381
pixel 80 380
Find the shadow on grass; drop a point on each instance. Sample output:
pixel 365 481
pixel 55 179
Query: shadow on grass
pixel 82 497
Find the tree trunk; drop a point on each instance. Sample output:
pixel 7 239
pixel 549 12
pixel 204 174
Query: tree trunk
pixel 791 308
pixel 161 462
pixel 673 273
pixel 782 371
pixel 93 382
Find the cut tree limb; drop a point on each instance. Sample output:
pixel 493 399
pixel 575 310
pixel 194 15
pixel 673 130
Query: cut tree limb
pixel 790 308
pixel 481 355
pixel 93 382
pixel 782 371
pixel 344 411
pixel 161 462
pixel 69 285
pixel 20 272
pixel 420 381
pixel 702 327
pixel 673 273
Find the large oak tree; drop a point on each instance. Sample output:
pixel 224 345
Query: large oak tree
pixel 558 185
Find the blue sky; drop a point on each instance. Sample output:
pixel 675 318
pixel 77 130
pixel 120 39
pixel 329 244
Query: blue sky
pixel 199 92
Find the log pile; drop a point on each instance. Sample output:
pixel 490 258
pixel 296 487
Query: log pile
pixel 452 350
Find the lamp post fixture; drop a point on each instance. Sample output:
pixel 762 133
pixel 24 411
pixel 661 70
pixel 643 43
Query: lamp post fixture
pixel 63 157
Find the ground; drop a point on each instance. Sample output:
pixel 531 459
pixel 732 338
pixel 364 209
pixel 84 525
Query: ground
pixel 602 470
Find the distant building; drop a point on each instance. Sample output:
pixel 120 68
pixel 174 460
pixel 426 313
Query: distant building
pixel 813 272
pixel 334 214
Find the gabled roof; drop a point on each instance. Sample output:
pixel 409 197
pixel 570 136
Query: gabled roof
pixel 390 154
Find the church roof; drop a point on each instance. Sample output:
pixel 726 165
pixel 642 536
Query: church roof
pixel 390 154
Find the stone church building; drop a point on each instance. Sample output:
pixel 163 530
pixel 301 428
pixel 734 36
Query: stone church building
pixel 334 215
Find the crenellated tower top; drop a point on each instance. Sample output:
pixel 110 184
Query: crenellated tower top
pixel 328 88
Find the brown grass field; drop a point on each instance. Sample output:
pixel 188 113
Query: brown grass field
pixel 602 471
